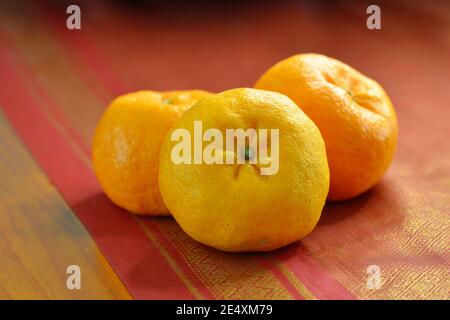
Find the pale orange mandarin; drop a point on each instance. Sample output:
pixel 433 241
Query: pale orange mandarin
pixel 127 143
pixel 234 207
pixel 353 112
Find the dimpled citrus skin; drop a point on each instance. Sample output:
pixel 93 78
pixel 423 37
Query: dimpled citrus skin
pixel 354 115
pixel 232 207
pixel 127 143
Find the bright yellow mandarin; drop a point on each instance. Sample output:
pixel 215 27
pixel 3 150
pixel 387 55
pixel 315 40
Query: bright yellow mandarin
pixel 232 207
pixel 127 144
pixel 354 115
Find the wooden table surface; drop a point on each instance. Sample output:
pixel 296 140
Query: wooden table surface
pixel 40 236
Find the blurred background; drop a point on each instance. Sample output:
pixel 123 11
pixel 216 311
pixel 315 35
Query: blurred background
pixel 216 45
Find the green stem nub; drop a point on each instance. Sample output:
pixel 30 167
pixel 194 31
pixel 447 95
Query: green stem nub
pixel 248 153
